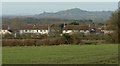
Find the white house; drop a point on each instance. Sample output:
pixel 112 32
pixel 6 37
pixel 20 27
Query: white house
pixel 107 31
pixel 45 29
pixel 5 30
pixel 75 29
pixel 35 29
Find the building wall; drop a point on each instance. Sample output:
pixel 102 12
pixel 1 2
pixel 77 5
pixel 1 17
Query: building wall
pixel 67 31
pixel 107 31
pixel 47 31
pixel 5 32
pixel 72 31
pixel 34 31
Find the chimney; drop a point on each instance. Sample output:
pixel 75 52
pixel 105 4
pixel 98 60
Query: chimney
pixel 48 28
pixel 64 24
pixel 8 28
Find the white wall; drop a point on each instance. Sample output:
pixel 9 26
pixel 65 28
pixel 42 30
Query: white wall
pixel 5 32
pixel 72 31
pixel 34 31
pixel 107 31
pixel 67 31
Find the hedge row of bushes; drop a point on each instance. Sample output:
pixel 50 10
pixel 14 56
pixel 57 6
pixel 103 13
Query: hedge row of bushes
pixel 35 42
pixel 18 42
pixel 30 42
pixel 65 39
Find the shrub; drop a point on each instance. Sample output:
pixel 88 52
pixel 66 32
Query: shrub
pixel 56 41
pixel 72 39
pixel 67 38
pixel 18 42
pixel 29 42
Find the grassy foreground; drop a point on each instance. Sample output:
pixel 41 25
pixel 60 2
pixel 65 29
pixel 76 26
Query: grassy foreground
pixel 65 54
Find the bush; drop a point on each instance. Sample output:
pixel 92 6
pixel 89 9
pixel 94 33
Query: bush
pixel 72 39
pixel 67 38
pixel 56 41
pixel 18 42
pixel 29 42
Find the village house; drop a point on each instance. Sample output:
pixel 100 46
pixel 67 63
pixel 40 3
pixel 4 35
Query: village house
pixel 45 29
pixel 35 29
pixel 75 29
pixel 5 30
pixel 26 29
pixel 106 30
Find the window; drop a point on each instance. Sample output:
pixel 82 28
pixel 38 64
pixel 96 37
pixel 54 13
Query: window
pixel 25 30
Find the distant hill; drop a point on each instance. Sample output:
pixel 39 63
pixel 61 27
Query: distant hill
pixel 70 15
pixel 77 14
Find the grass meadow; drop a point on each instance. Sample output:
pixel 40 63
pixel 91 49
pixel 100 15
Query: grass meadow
pixel 61 54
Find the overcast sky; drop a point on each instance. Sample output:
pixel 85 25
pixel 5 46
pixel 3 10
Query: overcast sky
pixel 60 0
pixel 31 8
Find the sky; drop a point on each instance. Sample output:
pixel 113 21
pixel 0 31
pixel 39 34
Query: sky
pixel 60 0
pixel 32 8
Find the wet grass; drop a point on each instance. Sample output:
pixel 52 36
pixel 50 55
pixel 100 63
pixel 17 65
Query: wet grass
pixel 64 54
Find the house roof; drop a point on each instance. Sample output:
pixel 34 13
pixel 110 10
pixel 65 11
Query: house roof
pixel 26 27
pixel 33 27
pixel 76 27
pixel 4 27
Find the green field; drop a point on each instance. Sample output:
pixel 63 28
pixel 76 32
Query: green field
pixel 64 54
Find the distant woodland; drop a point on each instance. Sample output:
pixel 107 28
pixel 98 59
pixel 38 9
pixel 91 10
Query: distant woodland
pixel 30 20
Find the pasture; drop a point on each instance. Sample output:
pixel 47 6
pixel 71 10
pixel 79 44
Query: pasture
pixel 61 54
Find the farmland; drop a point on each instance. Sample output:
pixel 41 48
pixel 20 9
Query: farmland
pixel 61 54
